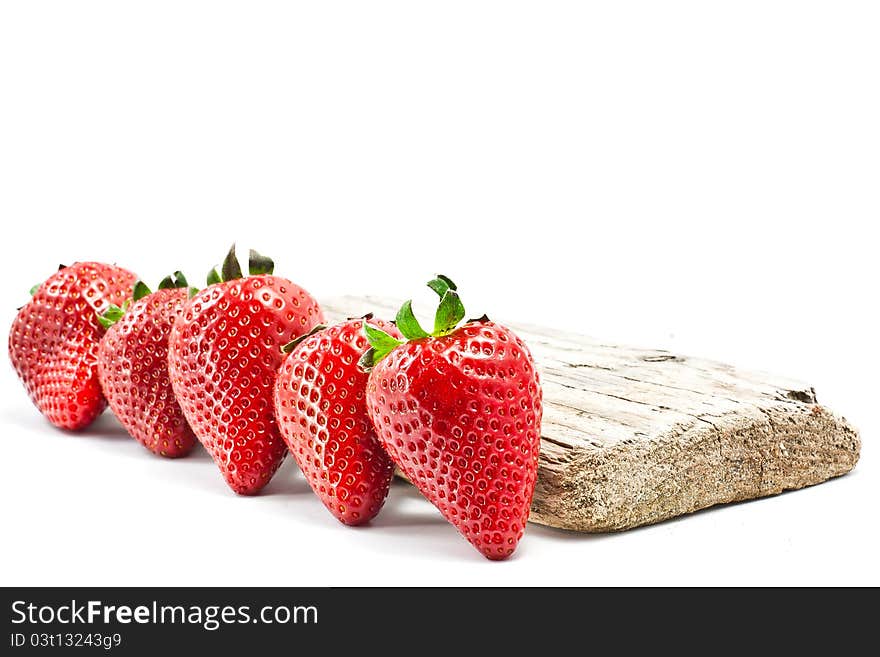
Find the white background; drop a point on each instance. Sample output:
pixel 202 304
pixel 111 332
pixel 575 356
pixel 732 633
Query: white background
pixel 690 175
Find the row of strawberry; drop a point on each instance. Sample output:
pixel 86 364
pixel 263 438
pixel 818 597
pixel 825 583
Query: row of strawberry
pixel 247 367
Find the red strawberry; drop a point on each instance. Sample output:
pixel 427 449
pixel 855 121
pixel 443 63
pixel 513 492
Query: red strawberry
pixel 459 411
pixel 53 343
pixel 133 367
pixel 321 411
pixel 224 354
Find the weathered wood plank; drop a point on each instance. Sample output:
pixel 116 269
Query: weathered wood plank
pixel 635 436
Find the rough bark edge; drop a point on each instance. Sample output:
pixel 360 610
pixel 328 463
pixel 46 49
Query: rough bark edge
pixel 695 467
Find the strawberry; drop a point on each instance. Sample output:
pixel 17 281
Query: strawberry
pixel 223 356
pixel 459 411
pixel 133 367
pixel 321 411
pixel 53 342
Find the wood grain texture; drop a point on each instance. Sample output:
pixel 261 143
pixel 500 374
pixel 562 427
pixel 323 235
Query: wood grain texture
pixel 635 436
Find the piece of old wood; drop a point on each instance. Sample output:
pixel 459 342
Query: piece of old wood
pixel 635 436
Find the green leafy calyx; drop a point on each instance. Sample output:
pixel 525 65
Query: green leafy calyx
pixel 258 265
pixel 449 314
pixel 175 280
pixel 140 291
pixel 290 346
pixel 408 324
pixel 113 314
pixel 230 269
pixel 381 344
pixel 440 284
